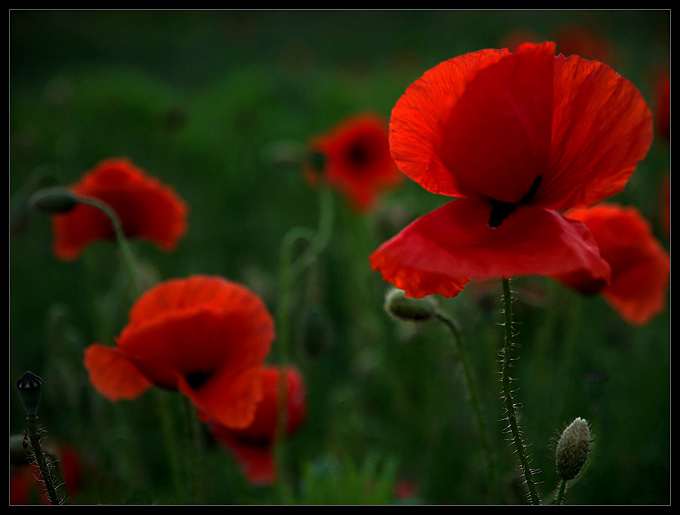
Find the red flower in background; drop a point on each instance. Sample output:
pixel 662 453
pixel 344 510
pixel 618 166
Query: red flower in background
pixel 26 484
pixel 584 42
pixel 519 136
pixel 252 446
pixel 640 266
pixel 204 336
pixel 147 210
pixel 354 158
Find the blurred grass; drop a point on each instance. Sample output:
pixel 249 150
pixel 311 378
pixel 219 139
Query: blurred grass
pixel 203 100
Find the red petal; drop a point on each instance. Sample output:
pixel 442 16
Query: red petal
pixel 417 118
pixel 439 251
pixel 147 210
pixel 113 374
pixel 228 398
pixel 640 266
pixel 602 128
pixel 496 139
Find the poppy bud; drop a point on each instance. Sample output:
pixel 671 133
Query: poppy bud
pixel 573 448
pixel 30 390
pixel 53 200
pixel 408 309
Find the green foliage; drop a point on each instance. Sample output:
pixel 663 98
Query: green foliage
pixel 208 102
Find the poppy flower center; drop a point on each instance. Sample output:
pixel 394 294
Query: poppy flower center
pixel 359 154
pixel 500 210
pixel 197 379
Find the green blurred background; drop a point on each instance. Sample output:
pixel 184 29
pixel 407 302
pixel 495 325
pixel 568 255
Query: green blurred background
pixel 218 104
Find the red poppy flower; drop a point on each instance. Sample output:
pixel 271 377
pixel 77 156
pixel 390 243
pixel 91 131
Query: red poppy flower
pixel 26 485
pixel 640 266
pixel 147 210
pixel 252 446
pixel 204 336
pixel 519 136
pixel 355 158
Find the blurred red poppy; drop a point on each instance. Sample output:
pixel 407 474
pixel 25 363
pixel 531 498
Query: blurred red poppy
pixel 354 157
pixel 26 484
pixel 204 336
pixel 252 446
pixel 147 209
pixel 584 42
pixel 519 136
pixel 640 266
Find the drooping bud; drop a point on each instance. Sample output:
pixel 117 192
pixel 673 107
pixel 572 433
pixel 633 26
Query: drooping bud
pixel 53 200
pixel 573 449
pixel 30 391
pixel 409 309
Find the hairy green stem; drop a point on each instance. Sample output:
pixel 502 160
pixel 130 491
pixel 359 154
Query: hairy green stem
pixel 472 392
pixel 168 428
pixel 48 477
pixel 194 449
pixel 507 394
pixel 559 497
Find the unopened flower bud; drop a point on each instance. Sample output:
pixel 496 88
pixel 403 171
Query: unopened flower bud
pixel 573 448
pixel 53 200
pixel 409 309
pixel 30 390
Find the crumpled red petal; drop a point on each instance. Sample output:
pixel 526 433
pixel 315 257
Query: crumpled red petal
pixel 148 210
pixel 640 265
pixel 416 122
pixel 113 374
pixel 440 251
pixel 602 128
pixel 204 336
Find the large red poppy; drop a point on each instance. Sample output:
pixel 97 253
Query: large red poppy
pixel 640 266
pixel 354 157
pixel 519 136
pixel 252 446
pixel 148 210
pixel 204 336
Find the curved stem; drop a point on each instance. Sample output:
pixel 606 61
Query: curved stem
pixel 472 391
pixel 507 394
pixel 124 247
pixel 289 272
pixel 45 471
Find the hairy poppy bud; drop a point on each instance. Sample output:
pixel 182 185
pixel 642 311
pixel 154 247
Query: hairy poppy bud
pixel 30 390
pixel 407 309
pixel 573 448
pixel 53 200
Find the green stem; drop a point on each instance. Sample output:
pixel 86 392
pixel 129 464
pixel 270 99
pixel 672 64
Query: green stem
pixel 507 394
pixel 123 246
pixel 472 392
pixel 290 271
pixel 45 471
pixel 193 436
pixel 167 425
pixel 559 497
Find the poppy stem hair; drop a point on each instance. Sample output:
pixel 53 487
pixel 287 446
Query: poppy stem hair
pixel 123 246
pixel 508 400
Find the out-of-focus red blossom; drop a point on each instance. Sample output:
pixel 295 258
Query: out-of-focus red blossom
pixel 252 446
pixel 148 210
pixel 354 158
pixel 26 485
pixel 204 336
pixel 585 43
pixel 662 106
pixel 640 266
pixel 519 137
